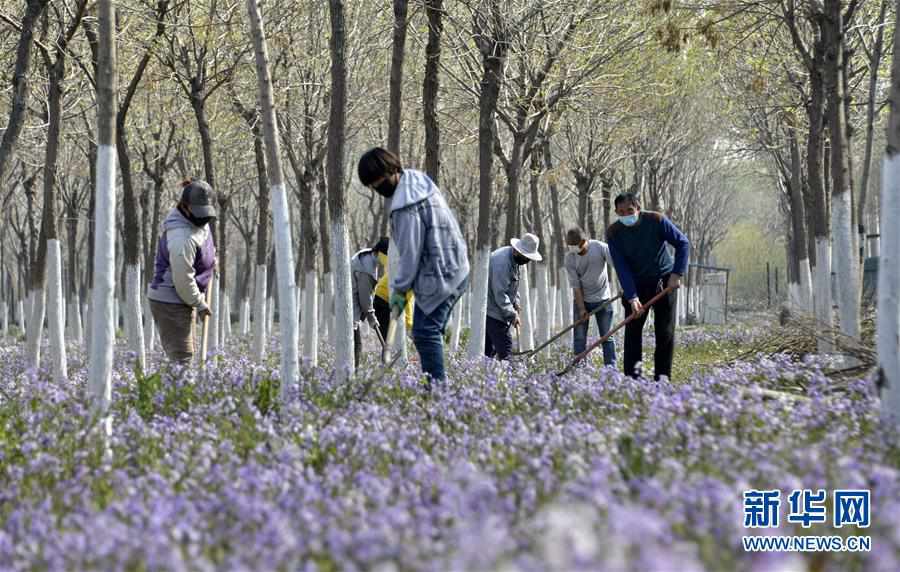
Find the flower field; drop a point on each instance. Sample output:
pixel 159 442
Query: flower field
pixel 507 467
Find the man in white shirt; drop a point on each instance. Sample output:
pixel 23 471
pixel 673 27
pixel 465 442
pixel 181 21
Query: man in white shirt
pixel 587 263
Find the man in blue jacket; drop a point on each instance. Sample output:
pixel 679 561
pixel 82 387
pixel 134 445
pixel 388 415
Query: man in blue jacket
pixel 638 245
pixel 432 259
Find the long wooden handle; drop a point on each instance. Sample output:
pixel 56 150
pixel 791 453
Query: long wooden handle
pixel 570 327
pixel 618 327
pixel 204 338
pixel 392 335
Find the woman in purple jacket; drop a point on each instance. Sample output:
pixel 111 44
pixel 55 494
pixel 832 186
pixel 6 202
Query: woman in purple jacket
pixel 185 260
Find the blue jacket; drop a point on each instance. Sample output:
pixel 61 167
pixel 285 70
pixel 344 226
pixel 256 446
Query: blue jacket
pixel 432 258
pixel 639 252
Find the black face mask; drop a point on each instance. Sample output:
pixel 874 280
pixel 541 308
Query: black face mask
pixel 196 221
pixel 386 188
pixel 520 260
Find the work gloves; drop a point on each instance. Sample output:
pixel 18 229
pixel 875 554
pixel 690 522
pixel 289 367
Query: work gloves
pixel 398 301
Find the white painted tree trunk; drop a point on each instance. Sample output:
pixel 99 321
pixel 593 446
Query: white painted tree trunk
pixel 102 330
pixel 526 330
pixel 457 325
pixel 73 324
pixel 553 308
pixel 225 318
pixel 134 328
pixel 342 336
pixel 259 314
pixel 310 319
pixel 35 330
pixel 58 363
pixel 326 311
pixel 149 327
pixel 822 292
pixel 20 315
pixel 888 315
pixel 284 252
pixel 212 343
pixel 87 319
pixel 805 288
pixel 479 303
pixel 875 241
pixel 565 296
pixel 542 305
pixel 245 316
pixel 846 263
pixel 4 317
pixel 270 315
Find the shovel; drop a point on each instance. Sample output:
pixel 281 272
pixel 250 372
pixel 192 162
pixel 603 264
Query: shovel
pixel 618 327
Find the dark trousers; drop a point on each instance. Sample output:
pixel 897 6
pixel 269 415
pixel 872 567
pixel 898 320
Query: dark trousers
pixel 497 339
pixel 664 323
pixel 382 314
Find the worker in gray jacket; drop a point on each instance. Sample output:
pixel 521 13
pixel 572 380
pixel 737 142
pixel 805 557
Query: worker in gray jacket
pixel 503 293
pixel 365 268
pixel 431 256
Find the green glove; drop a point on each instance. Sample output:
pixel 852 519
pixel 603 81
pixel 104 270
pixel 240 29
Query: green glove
pixel 398 301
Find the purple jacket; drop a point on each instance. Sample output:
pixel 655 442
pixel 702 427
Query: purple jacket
pixel 185 261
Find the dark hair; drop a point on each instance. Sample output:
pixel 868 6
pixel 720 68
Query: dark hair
pixel 629 199
pixel 575 235
pixel 381 246
pixel 376 163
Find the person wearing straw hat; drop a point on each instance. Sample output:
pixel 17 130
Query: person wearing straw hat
pixel 639 245
pixel 185 262
pixel 587 263
pixel 503 293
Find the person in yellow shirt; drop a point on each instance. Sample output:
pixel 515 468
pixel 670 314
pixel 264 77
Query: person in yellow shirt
pixel 382 298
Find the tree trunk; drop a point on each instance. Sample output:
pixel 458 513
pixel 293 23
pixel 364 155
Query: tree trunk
pixel 493 63
pixel 798 225
pixel 104 278
pixel 821 228
pixel 343 314
pixel 846 259
pixel 282 222
pixel 542 300
pixel 262 251
pixel 874 64
pixel 888 327
pixel 430 86
pixel 20 88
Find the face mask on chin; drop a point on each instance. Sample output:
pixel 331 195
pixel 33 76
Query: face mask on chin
pixel 573 249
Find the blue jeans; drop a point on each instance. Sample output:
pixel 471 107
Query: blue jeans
pixel 428 335
pixel 604 322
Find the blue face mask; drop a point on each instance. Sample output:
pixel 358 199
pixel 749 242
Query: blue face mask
pixel 629 220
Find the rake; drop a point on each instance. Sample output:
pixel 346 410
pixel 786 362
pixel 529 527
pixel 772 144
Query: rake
pixel 618 327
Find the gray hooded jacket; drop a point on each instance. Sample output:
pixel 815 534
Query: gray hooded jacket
pixel 431 254
pixel 503 285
